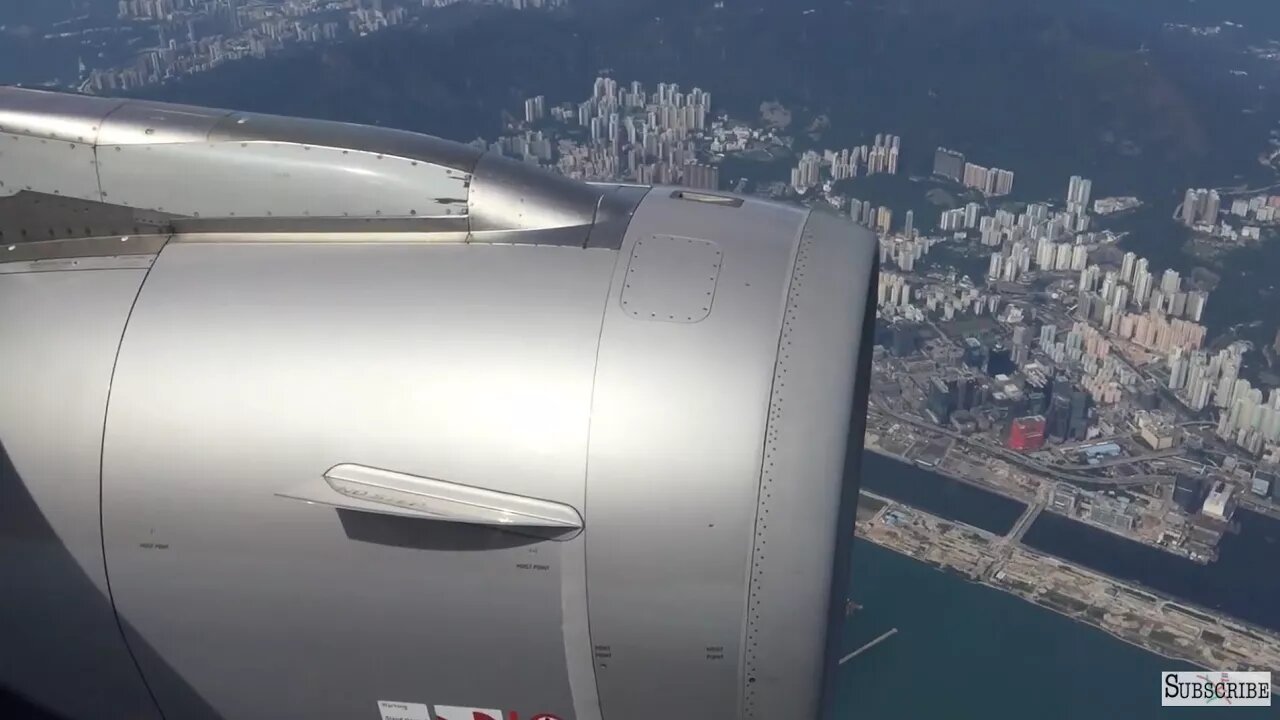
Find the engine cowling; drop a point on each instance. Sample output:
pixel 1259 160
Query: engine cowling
pixel 312 419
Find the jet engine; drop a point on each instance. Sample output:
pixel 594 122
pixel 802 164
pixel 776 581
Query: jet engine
pixel 304 419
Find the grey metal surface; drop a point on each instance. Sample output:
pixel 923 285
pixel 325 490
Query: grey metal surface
pixel 31 216
pixel 322 133
pixel 277 179
pixel 671 279
pixel 276 362
pixel 678 423
pixel 305 228
pixel 613 214
pixel 674 368
pixel 60 643
pixel 149 123
pixel 83 248
pixel 567 236
pixel 96 262
pixel 56 167
pixel 50 115
pixel 510 195
pixel 803 477
pixel 180 160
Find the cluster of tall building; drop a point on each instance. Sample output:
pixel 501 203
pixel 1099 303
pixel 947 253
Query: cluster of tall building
pixel 530 145
pixel 1168 316
pixel 892 291
pixel 1036 224
pixel 1198 378
pixel 1200 207
pixel 876 217
pixel 993 182
pixel 904 251
pixel 1014 262
pixel 535 109
pixel 957 219
pixel 814 168
pixel 1060 257
pixel 896 297
pixel 635 135
pixel 1103 375
pixel 1031 409
pixel 951 165
pixel 997 387
pixel 199 35
pixel 948 164
pixel 1245 419
pixel 1079 190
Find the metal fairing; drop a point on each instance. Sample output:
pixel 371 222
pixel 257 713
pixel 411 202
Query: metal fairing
pixel 68 172
pixel 276 179
pixel 59 332
pixel 804 486
pixel 251 368
pixel 132 153
pixel 242 127
pixel 54 116
pixel 28 218
pixel 507 195
pixel 177 159
pixel 711 542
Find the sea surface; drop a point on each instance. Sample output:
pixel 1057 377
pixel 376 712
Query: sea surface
pixel 913 485
pixel 1244 582
pixel 964 650
pixel 967 650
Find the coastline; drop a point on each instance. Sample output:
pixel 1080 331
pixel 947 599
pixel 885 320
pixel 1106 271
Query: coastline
pixel 1023 493
pixel 1141 617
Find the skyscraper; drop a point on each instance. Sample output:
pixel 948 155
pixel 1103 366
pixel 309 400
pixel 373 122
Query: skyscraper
pixel 1127 266
pixel 884 218
pixel 1078 191
pixel 1212 204
pixel 1003 181
pixel 948 164
pixel 971 213
pixel 1191 203
pixel 975 176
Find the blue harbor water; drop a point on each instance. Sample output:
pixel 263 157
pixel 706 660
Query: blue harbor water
pixel 1244 582
pixel 915 486
pixel 966 650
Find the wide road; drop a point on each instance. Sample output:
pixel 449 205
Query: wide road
pixel 1018 459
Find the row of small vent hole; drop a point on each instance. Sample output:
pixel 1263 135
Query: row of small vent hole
pixel 24 234
pixel 775 414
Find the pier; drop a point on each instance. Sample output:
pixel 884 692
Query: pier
pixel 868 646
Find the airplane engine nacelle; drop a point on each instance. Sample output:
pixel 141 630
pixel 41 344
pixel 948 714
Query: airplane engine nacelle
pixel 306 419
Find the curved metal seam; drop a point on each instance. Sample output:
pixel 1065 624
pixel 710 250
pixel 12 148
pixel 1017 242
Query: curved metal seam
pixel 102 531
pixel 586 478
pixel 747 658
